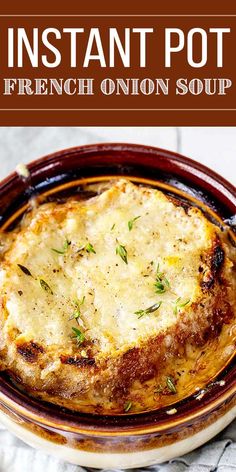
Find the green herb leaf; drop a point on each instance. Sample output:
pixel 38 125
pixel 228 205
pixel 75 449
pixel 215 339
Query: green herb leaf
pixel 79 336
pixel 77 312
pixel 121 251
pixel 127 406
pixel 171 384
pixel 131 222
pixel 89 248
pixel 64 249
pixel 76 315
pixel 179 304
pixel 79 302
pixel 45 286
pixel 113 226
pixel 162 283
pixel 24 270
pixel 151 309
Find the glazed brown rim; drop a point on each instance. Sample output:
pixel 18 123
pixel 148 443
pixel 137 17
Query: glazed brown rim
pixel 155 421
pixel 171 423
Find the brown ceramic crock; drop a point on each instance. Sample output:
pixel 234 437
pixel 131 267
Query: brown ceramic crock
pixel 129 440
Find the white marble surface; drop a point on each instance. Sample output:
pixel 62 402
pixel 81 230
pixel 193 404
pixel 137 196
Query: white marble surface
pixel 214 147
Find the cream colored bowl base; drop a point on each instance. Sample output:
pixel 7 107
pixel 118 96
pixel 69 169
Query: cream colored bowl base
pixel 119 460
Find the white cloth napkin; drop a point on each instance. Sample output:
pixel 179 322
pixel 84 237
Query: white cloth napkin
pixel 215 147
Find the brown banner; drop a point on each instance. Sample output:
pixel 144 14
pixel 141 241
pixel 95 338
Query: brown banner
pixel 122 65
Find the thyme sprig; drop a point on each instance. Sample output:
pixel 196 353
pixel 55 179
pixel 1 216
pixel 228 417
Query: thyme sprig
pixel 131 222
pixel 180 304
pixel 127 406
pixel 149 310
pixel 170 383
pixel 45 286
pixel 122 252
pixel 162 283
pixel 77 313
pixel 78 335
pixel 89 248
pixel 65 247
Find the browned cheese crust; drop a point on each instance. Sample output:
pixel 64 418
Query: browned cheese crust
pixel 116 304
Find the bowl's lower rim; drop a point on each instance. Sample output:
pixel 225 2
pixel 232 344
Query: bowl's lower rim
pixel 123 459
pixel 172 421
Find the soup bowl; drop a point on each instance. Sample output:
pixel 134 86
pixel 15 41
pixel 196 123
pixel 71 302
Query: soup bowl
pixel 127 440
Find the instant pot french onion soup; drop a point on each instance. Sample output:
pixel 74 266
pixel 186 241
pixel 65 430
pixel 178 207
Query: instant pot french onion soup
pixel 120 303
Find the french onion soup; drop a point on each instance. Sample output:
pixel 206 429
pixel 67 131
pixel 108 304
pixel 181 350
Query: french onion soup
pixel 123 302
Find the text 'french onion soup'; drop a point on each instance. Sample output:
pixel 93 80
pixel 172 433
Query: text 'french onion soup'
pixel 123 302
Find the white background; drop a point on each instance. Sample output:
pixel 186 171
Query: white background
pixel 214 147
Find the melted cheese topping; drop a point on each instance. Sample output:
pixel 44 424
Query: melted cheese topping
pixel 90 276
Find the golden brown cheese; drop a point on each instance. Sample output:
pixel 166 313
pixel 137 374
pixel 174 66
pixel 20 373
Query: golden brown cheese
pixel 120 298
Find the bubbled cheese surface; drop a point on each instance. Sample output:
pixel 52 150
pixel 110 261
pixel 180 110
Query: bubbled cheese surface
pixel 163 237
